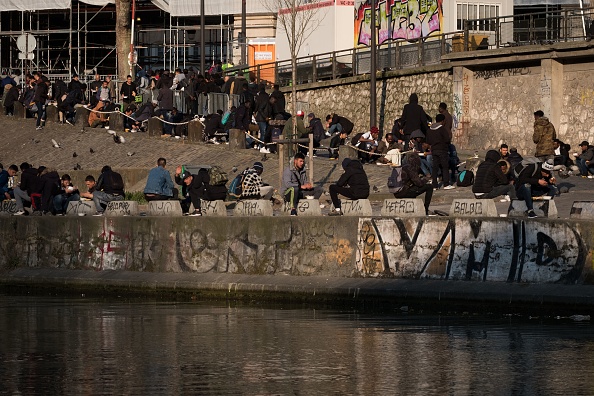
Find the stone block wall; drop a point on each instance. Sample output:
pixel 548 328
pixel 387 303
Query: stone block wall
pixel 577 117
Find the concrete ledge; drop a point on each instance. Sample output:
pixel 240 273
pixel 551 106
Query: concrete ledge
pixel 81 208
pixel 122 208
pixel 305 207
pixel 473 208
pixel 81 117
pixel 253 207
pixel 403 207
pixel 51 114
pixel 582 210
pixel 195 130
pixel 236 139
pixel 565 299
pixel 19 110
pixel 164 208
pixel 7 208
pixel 541 208
pixel 155 127
pixel 116 121
pixel 355 207
pixel 213 208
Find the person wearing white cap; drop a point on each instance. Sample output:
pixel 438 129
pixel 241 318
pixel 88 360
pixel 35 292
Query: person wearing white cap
pixel 535 180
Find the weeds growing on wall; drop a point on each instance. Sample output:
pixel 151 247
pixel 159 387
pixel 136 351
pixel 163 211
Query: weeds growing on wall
pixel 137 196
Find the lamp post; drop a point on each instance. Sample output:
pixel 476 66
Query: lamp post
pixel 373 66
pixel 132 58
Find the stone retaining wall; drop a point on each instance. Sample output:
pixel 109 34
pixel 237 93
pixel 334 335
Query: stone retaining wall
pixel 501 250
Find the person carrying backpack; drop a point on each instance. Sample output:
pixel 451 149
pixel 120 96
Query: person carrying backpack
pixel 109 187
pixel 411 185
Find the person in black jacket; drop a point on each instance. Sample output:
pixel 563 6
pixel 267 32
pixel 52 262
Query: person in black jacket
pixel 338 123
pixel 198 187
pixel 262 111
pixel 243 117
pixel 490 181
pixel 438 137
pixel 413 184
pixel 11 96
pixel 413 118
pixel 213 125
pixel 353 184
pixel 40 97
pixel 535 180
pixel 26 187
pixel 109 187
pixel 49 181
pixel 316 129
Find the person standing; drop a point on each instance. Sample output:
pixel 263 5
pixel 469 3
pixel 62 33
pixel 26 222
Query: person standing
pixel 413 118
pixel 353 184
pixel 449 120
pixel 438 139
pixel 128 91
pixel 543 136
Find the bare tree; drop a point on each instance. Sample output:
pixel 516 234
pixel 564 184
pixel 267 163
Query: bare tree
pixel 123 32
pixel 298 19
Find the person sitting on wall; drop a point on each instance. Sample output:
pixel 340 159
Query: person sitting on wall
pixel 490 181
pixel 96 117
pixel 198 188
pixel 353 184
pixel 213 127
pixel 110 187
pixel 91 184
pixel 253 185
pixel 413 185
pixel 68 193
pixel 535 180
pixel 5 176
pixel 295 182
pixel 585 159
pixel 159 186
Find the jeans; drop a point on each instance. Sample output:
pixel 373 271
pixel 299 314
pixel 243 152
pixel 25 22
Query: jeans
pixel 335 128
pixel 101 198
pixel 40 113
pixel 527 191
pixel 20 196
pixel 426 165
pixel 61 202
pixel 585 169
pixel 167 128
pixel 263 125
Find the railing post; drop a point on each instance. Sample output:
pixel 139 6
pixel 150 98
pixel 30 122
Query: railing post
pixel 497 33
pixel 354 66
pixel 565 32
pixel 530 31
pixel 443 44
pixel 333 65
pixel 314 68
pixel 276 73
pixel 398 55
pixel 258 71
pixel 420 52
pixel 466 35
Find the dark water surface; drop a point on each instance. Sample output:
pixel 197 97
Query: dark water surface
pixel 55 346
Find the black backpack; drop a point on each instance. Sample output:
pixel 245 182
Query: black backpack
pixel 465 178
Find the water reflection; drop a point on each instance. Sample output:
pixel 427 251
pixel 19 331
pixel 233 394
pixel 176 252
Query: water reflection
pixel 57 346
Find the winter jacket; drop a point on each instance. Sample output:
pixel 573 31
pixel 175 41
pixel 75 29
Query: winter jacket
pixel 201 189
pixel 280 103
pixel 410 172
pixel 263 111
pixel 587 155
pixel 355 177
pixel 165 99
pixel 489 174
pixel 50 187
pixel 29 181
pixel 544 133
pixel 40 92
pixel 11 96
pixel 316 127
pixel 213 125
pixel 159 182
pixel 242 118
pixel 293 177
pixel 439 138
pixel 531 174
pixel 413 116
pixel 252 182
pixel 347 125
pixel 105 183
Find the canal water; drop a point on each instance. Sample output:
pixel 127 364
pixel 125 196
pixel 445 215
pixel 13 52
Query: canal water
pixel 59 346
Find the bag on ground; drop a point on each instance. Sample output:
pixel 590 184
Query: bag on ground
pixel 465 178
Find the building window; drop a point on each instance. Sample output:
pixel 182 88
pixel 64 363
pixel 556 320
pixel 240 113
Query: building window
pixel 482 16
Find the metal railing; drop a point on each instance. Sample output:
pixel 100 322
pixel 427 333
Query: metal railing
pixel 531 29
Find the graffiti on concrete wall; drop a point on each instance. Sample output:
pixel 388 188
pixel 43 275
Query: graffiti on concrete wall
pixel 587 96
pixel 496 73
pixel 457 249
pixel 398 20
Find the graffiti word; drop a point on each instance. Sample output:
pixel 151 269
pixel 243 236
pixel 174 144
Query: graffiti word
pixel 399 20
pixel 487 74
pixel 254 208
pixel 468 208
pixel 455 249
pixel 216 208
pixel 399 206
pixel 8 207
pixel 120 208
pixel 166 207
pixel 80 207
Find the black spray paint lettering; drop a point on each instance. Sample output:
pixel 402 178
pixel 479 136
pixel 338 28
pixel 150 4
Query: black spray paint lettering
pixel 465 208
pixel 399 206
pixel 8 207
pixel 122 207
pixel 252 208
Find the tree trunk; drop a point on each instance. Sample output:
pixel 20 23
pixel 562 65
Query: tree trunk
pixel 123 31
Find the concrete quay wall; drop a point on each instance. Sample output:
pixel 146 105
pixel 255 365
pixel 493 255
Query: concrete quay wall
pixel 456 251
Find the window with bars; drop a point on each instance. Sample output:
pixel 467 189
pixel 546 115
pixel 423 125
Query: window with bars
pixel 482 16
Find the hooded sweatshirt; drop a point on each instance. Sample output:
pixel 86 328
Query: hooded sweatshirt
pixel 438 138
pixel 355 177
pixel 489 174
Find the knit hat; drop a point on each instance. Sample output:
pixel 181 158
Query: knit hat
pixel 548 165
pixel 585 143
pixel 258 166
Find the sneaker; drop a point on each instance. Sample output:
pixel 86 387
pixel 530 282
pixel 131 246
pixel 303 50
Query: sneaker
pixel 19 213
pixel 335 213
pixel 69 123
pixel 98 214
pixel 328 134
pixel 264 150
pixel 531 214
pixel 450 187
pixel 197 212
pixel 293 212
pixel 165 135
pixel 39 128
pixel 590 176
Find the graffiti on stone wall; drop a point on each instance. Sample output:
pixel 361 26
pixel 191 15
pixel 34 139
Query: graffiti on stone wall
pixel 510 251
pixel 587 96
pixel 496 73
pixel 399 20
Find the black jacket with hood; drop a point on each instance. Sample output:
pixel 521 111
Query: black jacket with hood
pixel 439 138
pixel 355 177
pixel 413 116
pixel 410 172
pixel 489 174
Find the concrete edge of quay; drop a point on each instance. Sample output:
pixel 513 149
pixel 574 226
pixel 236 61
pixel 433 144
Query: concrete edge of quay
pixel 367 293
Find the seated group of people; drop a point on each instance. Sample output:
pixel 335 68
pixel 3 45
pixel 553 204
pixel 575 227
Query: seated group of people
pixel 48 193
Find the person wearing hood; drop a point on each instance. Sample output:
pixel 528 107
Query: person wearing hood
pixel 413 118
pixel 49 180
pixel 316 129
pixel 413 184
pixel 353 184
pixel 490 181
pixel 438 137
pixel 544 134
pixel 535 180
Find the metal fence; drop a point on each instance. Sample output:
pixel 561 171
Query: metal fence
pixel 532 29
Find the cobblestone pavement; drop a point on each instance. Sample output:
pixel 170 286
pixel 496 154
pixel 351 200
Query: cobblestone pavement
pixel 21 142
